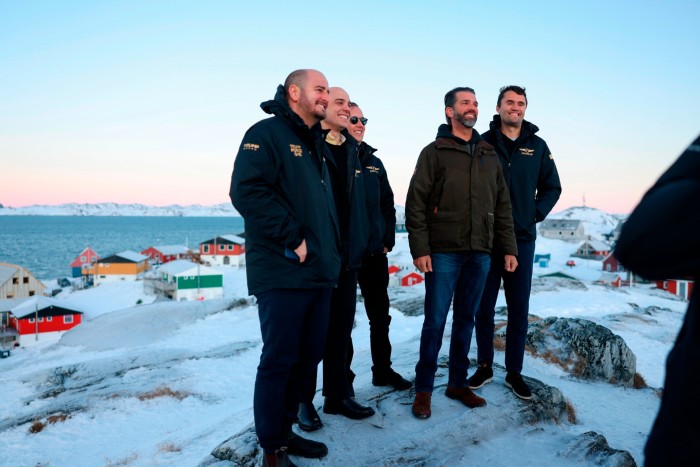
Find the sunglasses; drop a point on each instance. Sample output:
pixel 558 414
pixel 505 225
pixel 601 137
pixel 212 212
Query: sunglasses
pixel 354 120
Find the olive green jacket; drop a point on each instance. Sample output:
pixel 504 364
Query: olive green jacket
pixel 458 200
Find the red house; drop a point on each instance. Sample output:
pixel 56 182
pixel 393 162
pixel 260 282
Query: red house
pixel 162 254
pixel 681 287
pixel 412 278
pixel 611 264
pixel 224 250
pixel 394 268
pixel 41 318
pixel 84 260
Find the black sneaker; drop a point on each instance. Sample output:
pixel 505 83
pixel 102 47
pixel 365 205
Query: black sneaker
pixel 483 375
pixel 516 383
pixel 391 378
pixel 302 447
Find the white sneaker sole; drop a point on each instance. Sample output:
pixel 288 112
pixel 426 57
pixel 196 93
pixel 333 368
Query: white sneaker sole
pixel 527 398
pixel 482 384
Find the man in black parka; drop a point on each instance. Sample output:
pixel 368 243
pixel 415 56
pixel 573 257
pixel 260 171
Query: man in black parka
pixel 280 185
pixel 660 241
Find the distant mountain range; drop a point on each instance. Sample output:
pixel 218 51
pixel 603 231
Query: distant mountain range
pixel 114 209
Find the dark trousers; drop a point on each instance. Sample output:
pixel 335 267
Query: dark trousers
pixel 336 358
pixel 293 323
pixel 517 290
pixel 373 278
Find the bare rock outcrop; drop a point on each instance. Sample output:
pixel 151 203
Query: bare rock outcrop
pixel 584 348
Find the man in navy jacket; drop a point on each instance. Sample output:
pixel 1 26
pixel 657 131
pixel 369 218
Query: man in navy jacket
pixel 534 187
pixel 280 185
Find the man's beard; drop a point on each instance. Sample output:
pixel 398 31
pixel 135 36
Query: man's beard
pixel 308 106
pixel 465 122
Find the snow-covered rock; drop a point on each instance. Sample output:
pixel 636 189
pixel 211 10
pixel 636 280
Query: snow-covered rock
pixel 583 348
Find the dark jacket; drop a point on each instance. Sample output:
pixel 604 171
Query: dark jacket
pixel 280 186
pixel 531 176
pixel 457 199
pixel 380 201
pixel 354 233
pixel 660 241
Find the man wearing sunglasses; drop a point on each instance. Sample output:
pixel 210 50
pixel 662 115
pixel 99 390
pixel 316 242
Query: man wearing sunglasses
pixel 534 187
pixel 341 152
pixel 374 273
pixel 279 185
pixel 457 210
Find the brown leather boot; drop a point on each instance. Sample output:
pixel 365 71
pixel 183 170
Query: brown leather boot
pixel 421 406
pixel 465 396
pixel 279 458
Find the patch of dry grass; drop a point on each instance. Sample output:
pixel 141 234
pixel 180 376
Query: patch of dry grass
pixel 163 391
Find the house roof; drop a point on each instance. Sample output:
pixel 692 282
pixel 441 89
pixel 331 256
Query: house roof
pixel 225 239
pixel 183 267
pixel 610 276
pixel 42 306
pixel 7 271
pixel 88 253
pixel 170 249
pixel 597 245
pixel 8 304
pixel 127 256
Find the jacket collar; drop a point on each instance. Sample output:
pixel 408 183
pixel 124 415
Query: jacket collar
pixel 279 107
pixel 526 130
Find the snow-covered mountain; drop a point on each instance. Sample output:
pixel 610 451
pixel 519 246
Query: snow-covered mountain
pixel 596 223
pixel 115 209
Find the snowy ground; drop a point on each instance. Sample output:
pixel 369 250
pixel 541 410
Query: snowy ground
pixel 163 383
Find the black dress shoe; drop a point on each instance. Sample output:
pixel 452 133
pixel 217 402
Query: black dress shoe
pixel 347 407
pixel 302 447
pixel 308 417
pixel 391 378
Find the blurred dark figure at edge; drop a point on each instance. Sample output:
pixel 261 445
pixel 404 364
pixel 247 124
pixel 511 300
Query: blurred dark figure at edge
pixel 661 240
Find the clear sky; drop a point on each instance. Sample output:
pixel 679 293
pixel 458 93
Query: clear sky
pixel 147 102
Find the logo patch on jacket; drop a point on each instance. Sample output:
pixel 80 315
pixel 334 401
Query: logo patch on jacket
pixel 357 173
pixel 251 147
pixel 372 169
pixel 527 152
pixel 296 150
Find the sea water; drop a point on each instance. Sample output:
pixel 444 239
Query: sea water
pixel 46 245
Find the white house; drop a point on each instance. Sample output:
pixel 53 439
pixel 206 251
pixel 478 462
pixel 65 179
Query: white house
pixel 184 280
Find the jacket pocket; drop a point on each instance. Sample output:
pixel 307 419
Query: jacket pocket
pixel 445 229
pixel 489 229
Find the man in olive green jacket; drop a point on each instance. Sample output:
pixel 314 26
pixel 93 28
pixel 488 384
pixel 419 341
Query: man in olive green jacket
pixel 457 210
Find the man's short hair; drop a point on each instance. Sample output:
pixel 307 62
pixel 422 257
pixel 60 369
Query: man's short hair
pixel 297 78
pixel 451 97
pixel 516 89
pixel 353 104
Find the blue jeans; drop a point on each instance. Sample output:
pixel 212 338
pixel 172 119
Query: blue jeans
pixel 517 291
pixel 460 276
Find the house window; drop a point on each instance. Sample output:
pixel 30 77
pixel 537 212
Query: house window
pixel 665 285
pixel 41 320
pixel 15 280
pixel 9 295
pixel 25 280
pixel 230 247
pixel 620 267
pixel 49 319
pixel 31 293
pixel 608 267
pixel 205 248
pixel 222 247
pixel 31 320
pixel 83 259
pixel 67 319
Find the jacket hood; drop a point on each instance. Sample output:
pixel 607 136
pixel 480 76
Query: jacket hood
pixel 279 107
pixel 527 129
pixel 445 131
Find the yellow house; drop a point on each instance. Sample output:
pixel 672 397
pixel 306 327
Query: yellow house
pixel 127 265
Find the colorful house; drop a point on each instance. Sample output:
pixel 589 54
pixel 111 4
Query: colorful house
pixel 224 250
pixel 592 249
pixel 185 280
pixel 18 282
pixel 611 264
pixel 85 259
pixel 409 279
pixel 41 319
pixel 162 254
pixel 611 278
pixel 680 287
pixel 127 265
pixel 393 269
